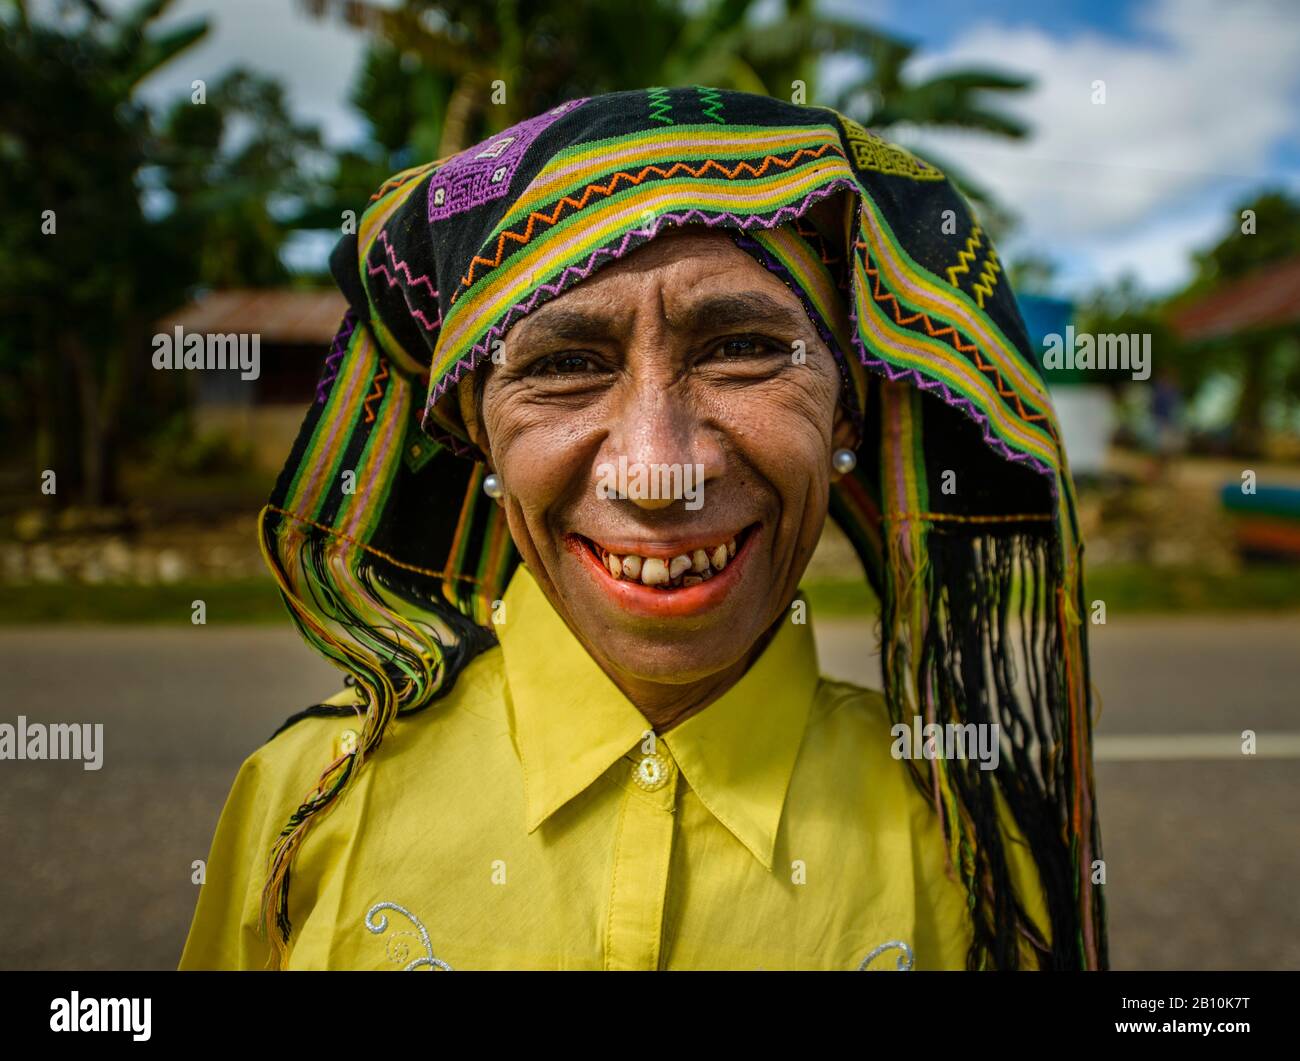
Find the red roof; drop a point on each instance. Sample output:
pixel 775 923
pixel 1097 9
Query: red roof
pixel 1264 299
pixel 276 314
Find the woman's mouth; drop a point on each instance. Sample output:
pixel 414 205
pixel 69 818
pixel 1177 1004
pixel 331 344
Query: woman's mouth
pixel 665 580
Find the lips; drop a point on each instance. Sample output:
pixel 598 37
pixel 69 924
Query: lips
pixel 667 578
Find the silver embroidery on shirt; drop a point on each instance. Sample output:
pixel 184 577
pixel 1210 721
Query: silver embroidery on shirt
pixel 904 960
pixel 398 949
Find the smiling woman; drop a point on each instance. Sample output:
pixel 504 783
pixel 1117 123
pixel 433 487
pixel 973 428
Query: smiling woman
pixel 628 757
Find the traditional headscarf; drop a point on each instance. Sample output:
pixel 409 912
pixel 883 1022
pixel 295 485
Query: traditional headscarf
pixel 961 507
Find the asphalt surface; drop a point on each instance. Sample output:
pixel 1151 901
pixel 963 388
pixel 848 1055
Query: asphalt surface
pixel 1202 844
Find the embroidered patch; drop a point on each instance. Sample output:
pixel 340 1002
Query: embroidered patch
pixel 399 945
pixel 483 172
pixel 905 960
pixel 419 449
pixel 873 154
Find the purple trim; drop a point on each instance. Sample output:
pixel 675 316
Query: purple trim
pixel 331 370
pixel 484 172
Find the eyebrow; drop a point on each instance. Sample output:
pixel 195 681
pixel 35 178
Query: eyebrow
pixel 710 314
pixel 739 309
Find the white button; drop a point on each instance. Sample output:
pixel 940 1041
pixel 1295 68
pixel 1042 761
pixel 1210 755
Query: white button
pixel 651 772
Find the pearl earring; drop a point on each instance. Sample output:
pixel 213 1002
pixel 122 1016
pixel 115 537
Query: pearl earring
pixel 493 487
pixel 844 461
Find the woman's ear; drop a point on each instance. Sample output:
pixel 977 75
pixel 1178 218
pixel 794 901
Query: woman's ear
pixel 843 435
pixel 467 399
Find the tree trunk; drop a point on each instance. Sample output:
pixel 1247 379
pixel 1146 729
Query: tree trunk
pixel 95 490
pixel 1248 425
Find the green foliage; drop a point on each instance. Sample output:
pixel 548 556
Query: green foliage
pixel 77 305
pixel 1276 237
pixel 425 87
pixel 235 601
pixel 225 186
pixel 1264 362
pixel 75 302
pixel 182 451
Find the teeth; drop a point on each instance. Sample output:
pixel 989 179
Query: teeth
pixel 691 569
pixel 654 572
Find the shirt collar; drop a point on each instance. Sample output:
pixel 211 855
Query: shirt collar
pixel 570 722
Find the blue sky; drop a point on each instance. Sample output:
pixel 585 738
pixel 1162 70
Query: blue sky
pixel 1202 107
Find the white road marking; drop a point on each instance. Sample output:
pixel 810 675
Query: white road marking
pixel 1190 746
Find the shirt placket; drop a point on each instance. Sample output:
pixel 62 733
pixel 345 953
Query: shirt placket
pixel 642 853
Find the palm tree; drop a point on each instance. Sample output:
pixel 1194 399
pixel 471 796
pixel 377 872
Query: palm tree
pixel 452 51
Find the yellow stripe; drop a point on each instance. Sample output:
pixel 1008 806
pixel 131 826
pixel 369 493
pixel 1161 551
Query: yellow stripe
pixel 335 422
pixel 558 177
pixel 815 278
pixel 377 216
pixel 379 455
pixel 472 315
pixel 953 305
pixel 936 359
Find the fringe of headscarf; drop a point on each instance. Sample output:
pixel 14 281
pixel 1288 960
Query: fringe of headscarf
pixel 955 591
pixel 340 594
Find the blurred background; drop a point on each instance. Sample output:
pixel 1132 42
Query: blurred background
pixel 192 164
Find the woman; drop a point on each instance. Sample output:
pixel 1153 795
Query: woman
pixel 602 379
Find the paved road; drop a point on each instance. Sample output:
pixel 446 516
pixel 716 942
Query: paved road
pixel 1202 850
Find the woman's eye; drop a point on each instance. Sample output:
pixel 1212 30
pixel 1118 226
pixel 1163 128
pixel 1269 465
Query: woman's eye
pixel 564 365
pixel 743 346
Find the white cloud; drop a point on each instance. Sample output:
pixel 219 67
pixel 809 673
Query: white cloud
pixel 315 59
pixel 1194 106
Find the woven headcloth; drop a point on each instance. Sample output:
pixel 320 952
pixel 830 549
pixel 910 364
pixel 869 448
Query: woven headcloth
pixel 961 508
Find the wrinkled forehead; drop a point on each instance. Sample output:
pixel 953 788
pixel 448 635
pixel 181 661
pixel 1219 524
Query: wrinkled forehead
pixel 692 280
pixel 806 256
pixel 700 279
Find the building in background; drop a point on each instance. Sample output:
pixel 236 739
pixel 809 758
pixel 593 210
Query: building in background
pixel 295 329
pixel 1086 409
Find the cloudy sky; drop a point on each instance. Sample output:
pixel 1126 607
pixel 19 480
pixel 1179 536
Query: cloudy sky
pixel 1202 106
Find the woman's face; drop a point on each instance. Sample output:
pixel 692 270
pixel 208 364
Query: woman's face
pixel 678 404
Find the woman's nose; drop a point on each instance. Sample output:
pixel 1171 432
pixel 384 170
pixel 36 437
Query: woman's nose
pixel 666 442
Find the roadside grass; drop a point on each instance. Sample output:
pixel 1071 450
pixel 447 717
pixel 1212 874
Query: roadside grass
pixel 253 600
pixel 1128 589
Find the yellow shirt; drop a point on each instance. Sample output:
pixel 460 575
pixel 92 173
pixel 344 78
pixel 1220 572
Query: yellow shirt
pixel 526 822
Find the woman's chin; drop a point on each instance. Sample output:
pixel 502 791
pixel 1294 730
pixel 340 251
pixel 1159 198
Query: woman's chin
pixel 668 636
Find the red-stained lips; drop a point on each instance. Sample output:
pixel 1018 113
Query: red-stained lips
pixel 682 578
